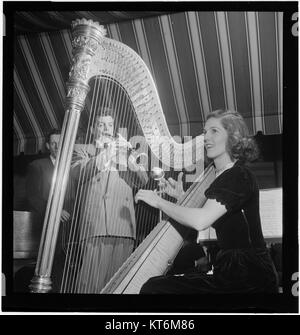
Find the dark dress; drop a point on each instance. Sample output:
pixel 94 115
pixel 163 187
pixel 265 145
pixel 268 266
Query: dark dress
pixel 243 264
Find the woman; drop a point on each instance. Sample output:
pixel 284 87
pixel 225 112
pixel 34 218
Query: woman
pixel 243 264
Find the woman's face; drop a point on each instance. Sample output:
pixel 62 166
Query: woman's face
pixel 215 138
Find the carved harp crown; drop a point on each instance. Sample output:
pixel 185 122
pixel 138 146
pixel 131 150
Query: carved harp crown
pixel 95 55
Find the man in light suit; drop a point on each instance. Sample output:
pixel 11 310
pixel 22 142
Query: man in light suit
pixel 108 226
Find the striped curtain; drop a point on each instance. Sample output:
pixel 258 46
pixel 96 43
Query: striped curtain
pixel 200 61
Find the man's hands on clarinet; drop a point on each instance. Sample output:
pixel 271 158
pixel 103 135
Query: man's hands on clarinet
pixel 114 151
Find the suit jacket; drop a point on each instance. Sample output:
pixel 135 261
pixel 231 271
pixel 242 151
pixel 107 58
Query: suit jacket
pixel 107 208
pixel 38 184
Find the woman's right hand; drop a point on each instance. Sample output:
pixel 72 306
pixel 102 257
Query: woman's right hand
pixel 172 187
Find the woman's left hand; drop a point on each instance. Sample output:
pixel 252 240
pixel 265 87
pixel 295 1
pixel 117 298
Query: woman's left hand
pixel 148 196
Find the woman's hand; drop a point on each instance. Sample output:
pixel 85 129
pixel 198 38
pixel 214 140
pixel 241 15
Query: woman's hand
pixel 150 197
pixel 172 187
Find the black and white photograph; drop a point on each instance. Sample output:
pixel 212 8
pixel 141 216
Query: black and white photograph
pixel 150 157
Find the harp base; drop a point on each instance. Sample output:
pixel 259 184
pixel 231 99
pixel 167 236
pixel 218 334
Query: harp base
pixel 40 284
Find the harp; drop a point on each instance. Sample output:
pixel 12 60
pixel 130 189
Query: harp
pixel 155 255
pixel 119 69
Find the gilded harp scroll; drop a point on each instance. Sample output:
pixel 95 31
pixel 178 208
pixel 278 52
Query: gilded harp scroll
pixel 105 74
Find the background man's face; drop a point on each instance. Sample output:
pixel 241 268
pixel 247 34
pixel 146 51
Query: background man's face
pixel 104 126
pixel 53 144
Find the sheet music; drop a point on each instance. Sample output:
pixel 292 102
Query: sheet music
pixel 270 202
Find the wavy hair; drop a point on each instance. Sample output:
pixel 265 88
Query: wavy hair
pixel 239 144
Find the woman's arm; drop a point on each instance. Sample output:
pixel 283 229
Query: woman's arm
pixel 196 218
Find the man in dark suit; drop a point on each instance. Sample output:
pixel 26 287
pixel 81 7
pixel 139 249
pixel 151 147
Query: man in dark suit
pixel 38 184
pixel 39 178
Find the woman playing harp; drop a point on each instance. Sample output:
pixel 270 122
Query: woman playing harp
pixel 243 265
pixel 114 70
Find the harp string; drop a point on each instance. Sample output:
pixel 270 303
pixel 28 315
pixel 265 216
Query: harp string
pixel 106 89
pixel 81 192
pixel 93 197
pixel 143 212
pixel 106 92
pixel 74 223
pixel 119 104
pixel 111 92
pixel 69 250
pixel 107 102
pixel 88 194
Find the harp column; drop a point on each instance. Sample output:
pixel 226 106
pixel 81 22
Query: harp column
pixel 86 39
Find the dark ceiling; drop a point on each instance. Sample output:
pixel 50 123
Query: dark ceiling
pixel 45 21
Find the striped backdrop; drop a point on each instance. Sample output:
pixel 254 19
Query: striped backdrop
pixel 200 61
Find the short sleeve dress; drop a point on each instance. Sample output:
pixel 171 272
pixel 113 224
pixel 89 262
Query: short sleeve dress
pixel 243 264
